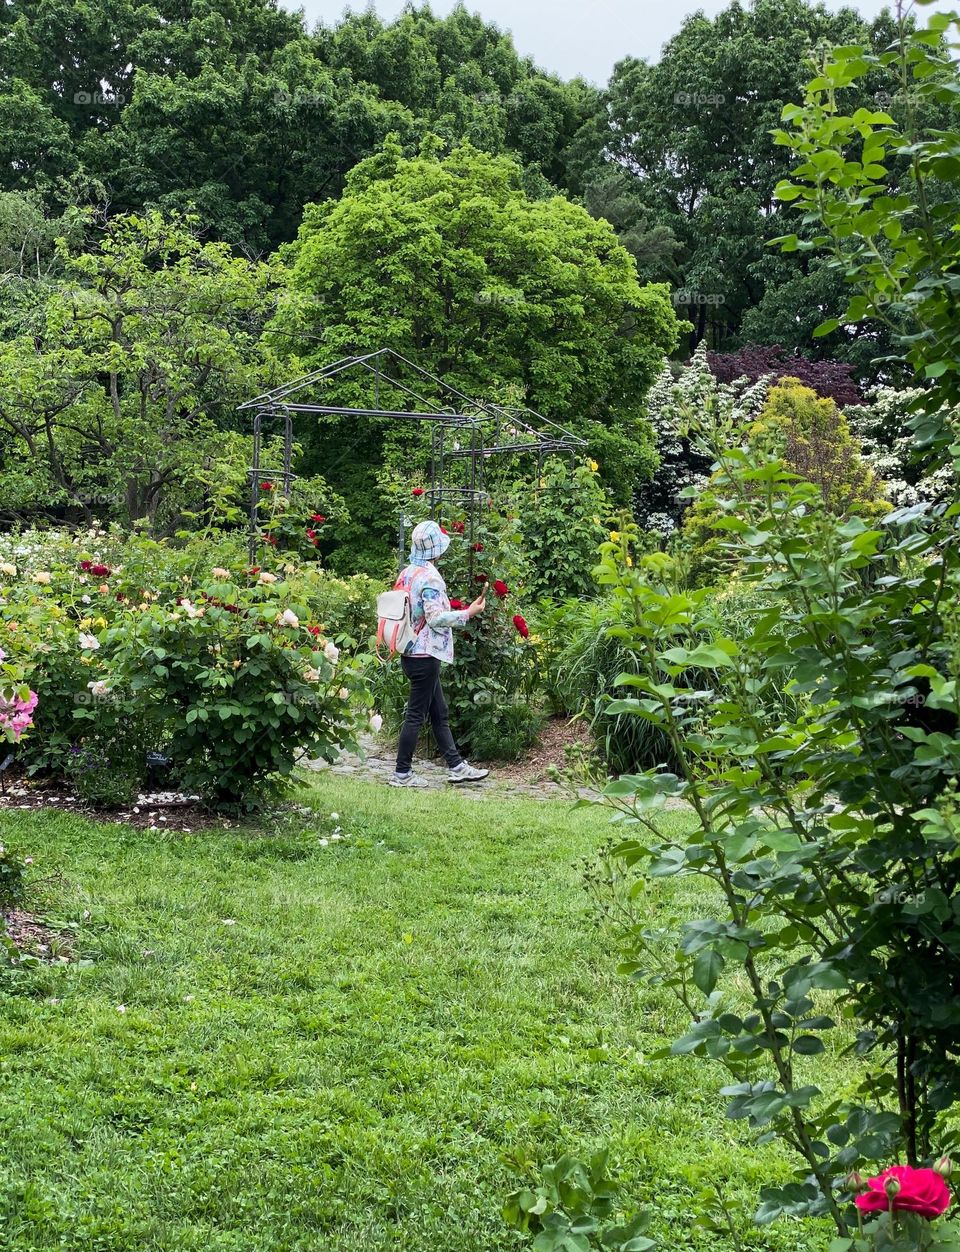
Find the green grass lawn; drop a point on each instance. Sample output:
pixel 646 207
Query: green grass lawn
pixel 352 1063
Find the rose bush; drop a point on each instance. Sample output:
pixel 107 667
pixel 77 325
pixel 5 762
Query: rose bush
pixel 134 645
pixel 899 1211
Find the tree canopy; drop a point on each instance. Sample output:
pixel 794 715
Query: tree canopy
pixel 449 262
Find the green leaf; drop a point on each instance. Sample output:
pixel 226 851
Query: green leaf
pixel 826 328
pixel 707 969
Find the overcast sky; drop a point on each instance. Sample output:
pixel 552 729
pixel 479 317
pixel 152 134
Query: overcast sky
pixel 573 37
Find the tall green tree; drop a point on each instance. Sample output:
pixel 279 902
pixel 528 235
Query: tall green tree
pixel 447 261
pixel 118 400
pixel 690 141
pixel 230 108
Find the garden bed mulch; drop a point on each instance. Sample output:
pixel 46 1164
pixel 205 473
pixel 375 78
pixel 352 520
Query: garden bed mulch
pixel 165 810
pixel 33 937
pixel 558 734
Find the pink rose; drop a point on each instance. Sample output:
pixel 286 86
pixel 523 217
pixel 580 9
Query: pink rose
pixel 921 1191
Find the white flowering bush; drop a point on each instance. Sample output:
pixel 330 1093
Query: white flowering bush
pixel 889 447
pixel 660 504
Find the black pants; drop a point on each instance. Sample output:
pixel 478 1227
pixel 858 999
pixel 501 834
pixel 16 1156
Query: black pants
pixel 426 701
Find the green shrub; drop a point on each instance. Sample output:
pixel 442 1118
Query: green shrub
pixel 134 645
pixel 241 687
pixel 503 733
pixel 575 1207
pixel 561 517
pixel 818 754
pixel 107 764
pixel 815 442
pixel 582 677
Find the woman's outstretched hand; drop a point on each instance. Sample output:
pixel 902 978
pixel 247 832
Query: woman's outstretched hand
pixel 478 605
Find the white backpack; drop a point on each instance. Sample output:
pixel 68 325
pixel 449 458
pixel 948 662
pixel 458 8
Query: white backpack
pixel 395 621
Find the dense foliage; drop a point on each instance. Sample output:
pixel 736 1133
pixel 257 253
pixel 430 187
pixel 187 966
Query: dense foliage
pixel 829 834
pixel 448 262
pixel 827 824
pixel 831 379
pixel 237 111
pixel 228 673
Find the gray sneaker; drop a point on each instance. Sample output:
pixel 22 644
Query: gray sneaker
pixel 464 772
pixel 409 779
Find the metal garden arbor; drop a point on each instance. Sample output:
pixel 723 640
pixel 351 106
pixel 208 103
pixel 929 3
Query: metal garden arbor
pixel 465 432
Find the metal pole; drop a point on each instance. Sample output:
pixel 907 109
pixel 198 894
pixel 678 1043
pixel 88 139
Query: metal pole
pixel 254 485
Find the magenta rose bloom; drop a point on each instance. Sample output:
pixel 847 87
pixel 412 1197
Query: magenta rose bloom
pixel 921 1191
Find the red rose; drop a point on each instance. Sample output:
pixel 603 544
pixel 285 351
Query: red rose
pixel 458 528
pixel 417 491
pixel 253 570
pixel 319 518
pixel 266 486
pixel 921 1191
pixel 314 630
pixel 480 578
pixel 86 566
pixel 311 534
pixel 101 571
pixel 521 626
pixel 457 604
pixel 501 588
pixel 478 547
pixel 444 531
pixel 270 539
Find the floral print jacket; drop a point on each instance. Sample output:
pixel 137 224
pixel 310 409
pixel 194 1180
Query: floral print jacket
pixel 433 618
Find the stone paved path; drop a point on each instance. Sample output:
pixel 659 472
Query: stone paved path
pixel 381 760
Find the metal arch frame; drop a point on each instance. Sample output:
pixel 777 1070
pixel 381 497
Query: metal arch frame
pixel 512 429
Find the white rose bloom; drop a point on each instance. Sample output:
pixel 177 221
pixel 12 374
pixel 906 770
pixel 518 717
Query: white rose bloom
pixel 343 693
pixel 98 688
pixel 8 569
pixel 42 577
pixel 331 652
pixel 311 675
pixel 220 573
pixel 89 642
pixel 267 578
pixel 289 618
pixel 376 723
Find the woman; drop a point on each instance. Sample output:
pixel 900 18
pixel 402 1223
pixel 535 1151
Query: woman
pixel 434 621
